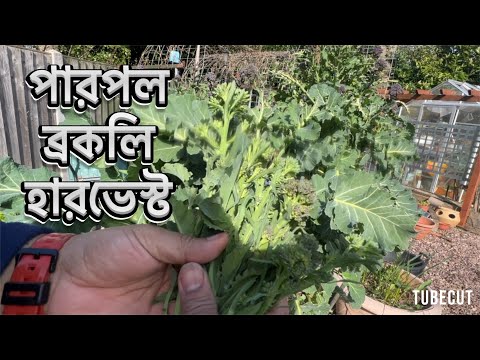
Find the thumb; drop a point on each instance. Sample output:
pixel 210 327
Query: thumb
pixel 196 295
pixel 174 248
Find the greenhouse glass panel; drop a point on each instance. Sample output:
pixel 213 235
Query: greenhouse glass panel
pixel 437 114
pixel 411 112
pixel 469 115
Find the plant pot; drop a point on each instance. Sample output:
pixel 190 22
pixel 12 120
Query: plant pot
pixel 415 264
pixel 375 307
pixel 443 226
pixel 422 235
pixel 390 257
pixel 448 216
pixel 424 224
pixel 425 207
pixel 424 227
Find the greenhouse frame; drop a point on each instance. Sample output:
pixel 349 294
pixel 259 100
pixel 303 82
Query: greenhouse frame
pixel 447 136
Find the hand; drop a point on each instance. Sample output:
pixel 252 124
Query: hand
pixel 121 270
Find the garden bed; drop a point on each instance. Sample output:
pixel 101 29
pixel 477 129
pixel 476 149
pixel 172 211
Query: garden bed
pixel 455 265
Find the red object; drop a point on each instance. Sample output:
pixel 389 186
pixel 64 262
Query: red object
pixel 31 273
pixel 473 184
pixel 474 93
pixel 424 221
pixel 422 235
pixel 443 226
pixel 447 92
pixel 425 207
pixel 424 224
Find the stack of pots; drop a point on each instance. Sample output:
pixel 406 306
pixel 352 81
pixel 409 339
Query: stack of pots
pixel 424 227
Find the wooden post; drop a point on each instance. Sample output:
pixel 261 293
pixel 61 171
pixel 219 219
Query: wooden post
pixel 471 190
pixel 57 58
pixel 197 61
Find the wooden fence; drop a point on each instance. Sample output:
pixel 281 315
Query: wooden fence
pixel 21 115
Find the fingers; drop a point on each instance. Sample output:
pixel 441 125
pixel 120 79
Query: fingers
pixel 174 248
pixel 281 308
pixel 196 296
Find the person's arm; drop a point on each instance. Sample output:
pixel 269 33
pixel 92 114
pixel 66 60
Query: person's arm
pixel 13 236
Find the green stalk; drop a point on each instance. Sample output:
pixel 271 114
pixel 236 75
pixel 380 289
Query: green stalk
pixel 298 309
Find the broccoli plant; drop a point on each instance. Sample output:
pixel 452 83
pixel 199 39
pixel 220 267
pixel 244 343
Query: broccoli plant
pixel 285 181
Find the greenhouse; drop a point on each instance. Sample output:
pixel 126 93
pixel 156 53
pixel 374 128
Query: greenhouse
pixel 447 136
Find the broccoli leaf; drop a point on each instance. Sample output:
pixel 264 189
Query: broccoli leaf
pixel 358 199
pixel 12 175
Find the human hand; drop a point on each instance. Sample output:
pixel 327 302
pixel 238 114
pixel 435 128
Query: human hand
pixel 121 270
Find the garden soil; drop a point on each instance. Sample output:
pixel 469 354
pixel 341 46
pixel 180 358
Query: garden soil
pixel 454 265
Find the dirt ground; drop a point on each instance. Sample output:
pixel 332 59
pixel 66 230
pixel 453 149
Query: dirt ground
pixel 454 265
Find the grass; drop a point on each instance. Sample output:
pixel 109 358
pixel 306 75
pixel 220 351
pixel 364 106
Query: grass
pixel 388 286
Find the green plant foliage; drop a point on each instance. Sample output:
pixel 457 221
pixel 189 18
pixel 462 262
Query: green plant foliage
pixel 12 201
pixel 423 67
pixel 12 176
pixel 362 128
pixel 285 181
pixel 389 285
pixel 359 199
pixel 274 177
pixel 110 54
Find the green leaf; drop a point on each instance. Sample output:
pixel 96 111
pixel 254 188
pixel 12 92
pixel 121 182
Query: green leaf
pixel 309 158
pixel 186 110
pixel 328 289
pixel 321 187
pixel 167 151
pixel 309 133
pixel 402 196
pixel 359 200
pixel 15 213
pixel 111 173
pixel 214 212
pixel 188 220
pixel 12 175
pixel 193 149
pixel 347 160
pixel 315 309
pixel 328 99
pixel 401 147
pixel 185 193
pixel 310 290
pixel 355 289
pixel 177 170
pixel 72 118
pixel 150 115
pixel 182 110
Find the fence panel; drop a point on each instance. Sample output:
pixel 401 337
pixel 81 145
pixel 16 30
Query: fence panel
pixel 21 115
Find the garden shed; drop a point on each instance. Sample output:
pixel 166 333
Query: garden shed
pixel 447 135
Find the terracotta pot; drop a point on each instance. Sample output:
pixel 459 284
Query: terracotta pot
pixel 422 235
pixel 374 307
pixel 424 224
pixel 443 226
pixel 425 207
pixel 448 216
pixel 424 221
